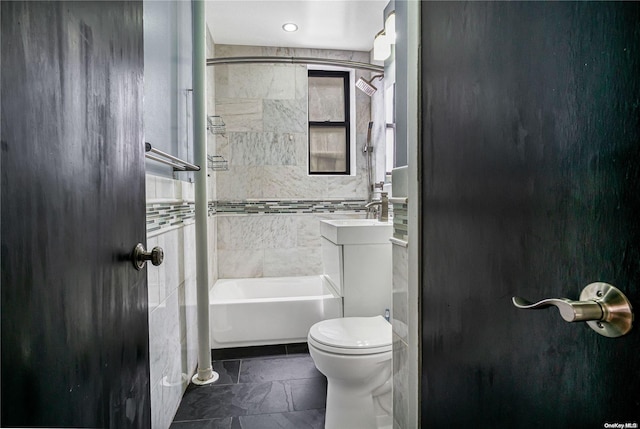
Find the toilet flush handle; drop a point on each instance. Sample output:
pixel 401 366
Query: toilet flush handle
pixel 604 307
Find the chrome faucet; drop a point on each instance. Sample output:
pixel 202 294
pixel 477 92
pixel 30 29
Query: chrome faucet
pixel 372 208
pixel 383 203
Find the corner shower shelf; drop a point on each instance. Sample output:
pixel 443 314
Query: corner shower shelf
pixel 217 163
pixel 215 125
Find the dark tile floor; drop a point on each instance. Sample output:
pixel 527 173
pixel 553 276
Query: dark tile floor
pixel 259 388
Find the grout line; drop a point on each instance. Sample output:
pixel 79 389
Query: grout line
pixel 277 412
pixel 239 369
pixel 201 420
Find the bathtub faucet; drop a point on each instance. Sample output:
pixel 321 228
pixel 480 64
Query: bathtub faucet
pixel 382 204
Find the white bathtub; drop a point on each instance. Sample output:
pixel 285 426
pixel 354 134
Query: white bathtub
pixel 277 310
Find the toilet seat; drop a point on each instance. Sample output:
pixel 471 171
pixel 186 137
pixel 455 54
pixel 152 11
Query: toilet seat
pixel 352 335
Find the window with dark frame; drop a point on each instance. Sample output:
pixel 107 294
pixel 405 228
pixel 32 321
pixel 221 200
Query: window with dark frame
pixel 329 122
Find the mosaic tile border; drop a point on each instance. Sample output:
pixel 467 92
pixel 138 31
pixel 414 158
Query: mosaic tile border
pixel 289 206
pixel 165 215
pixel 168 215
pixel 400 221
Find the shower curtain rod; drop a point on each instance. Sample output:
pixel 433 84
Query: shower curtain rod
pixel 295 60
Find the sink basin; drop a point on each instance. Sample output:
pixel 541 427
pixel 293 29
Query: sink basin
pixel 356 231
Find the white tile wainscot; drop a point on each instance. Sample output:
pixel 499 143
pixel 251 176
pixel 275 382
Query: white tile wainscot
pixel 172 295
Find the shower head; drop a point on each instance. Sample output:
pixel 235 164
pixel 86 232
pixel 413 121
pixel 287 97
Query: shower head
pixel 366 86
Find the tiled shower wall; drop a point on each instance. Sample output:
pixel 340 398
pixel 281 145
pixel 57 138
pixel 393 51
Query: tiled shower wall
pixel 264 107
pixel 271 245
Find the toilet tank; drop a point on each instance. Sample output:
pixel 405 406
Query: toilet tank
pixel 357 261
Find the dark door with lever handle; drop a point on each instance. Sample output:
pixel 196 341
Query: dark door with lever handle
pixel 530 189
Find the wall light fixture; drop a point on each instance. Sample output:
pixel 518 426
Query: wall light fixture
pixel 390 27
pixel 385 38
pixel 381 47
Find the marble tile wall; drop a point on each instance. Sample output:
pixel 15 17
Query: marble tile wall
pixel 172 301
pixel 400 324
pixel 271 245
pixel 264 107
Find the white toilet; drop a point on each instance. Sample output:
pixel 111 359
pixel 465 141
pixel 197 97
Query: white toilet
pixel 354 352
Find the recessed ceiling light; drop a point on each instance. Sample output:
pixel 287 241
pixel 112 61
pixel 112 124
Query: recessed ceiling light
pixel 290 27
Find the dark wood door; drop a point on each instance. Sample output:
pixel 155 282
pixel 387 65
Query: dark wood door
pixel 74 310
pixel 531 188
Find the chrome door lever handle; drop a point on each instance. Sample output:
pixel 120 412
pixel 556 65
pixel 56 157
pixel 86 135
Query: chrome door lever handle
pixel 140 256
pixel 604 307
pixel 571 311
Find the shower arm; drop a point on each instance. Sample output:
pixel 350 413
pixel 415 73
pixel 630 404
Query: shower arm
pixel 295 60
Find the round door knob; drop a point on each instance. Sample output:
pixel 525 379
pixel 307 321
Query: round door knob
pixel 140 256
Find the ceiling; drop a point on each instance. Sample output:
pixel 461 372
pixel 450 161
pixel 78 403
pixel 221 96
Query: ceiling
pixel 322 24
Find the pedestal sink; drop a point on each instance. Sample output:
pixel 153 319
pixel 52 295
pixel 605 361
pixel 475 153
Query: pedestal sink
pixel 356 231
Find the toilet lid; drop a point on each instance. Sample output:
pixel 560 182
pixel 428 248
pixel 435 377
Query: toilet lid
pixel 352 335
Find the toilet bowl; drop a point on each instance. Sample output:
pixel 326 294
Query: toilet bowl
pixel 354 353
